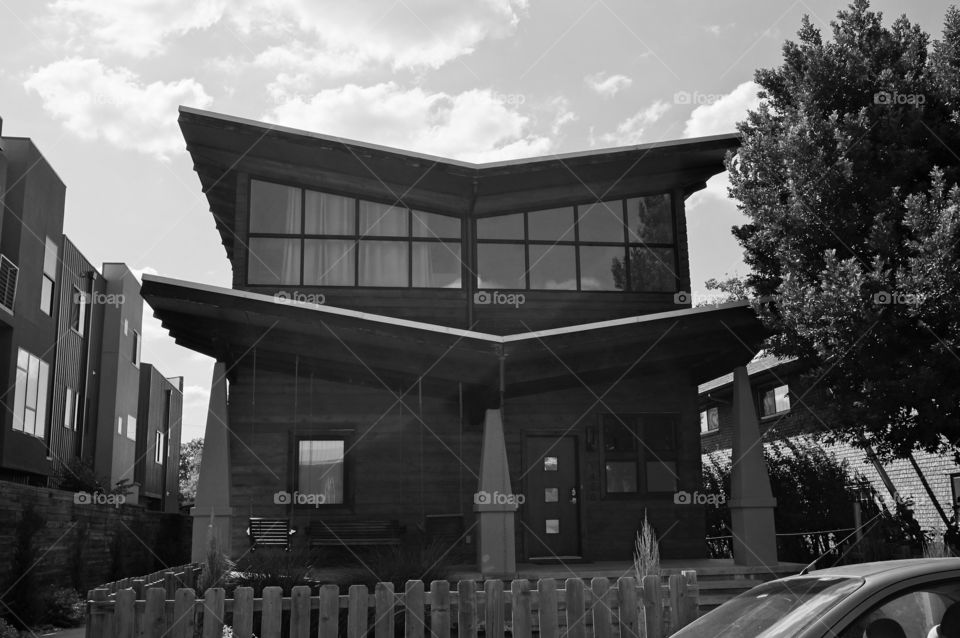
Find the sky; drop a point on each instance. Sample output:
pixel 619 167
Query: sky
pixel 96 84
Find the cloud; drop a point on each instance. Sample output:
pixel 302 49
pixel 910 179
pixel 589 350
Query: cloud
pixel 632 129
pixel 133 27
pixel 476 125
pixel 721 114
pixel 608 85
pixel 97 102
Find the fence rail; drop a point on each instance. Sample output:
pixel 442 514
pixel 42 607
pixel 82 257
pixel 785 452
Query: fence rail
pixel 598 609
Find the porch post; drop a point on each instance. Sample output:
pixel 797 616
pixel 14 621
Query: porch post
pixel 752 502
pixel 211 510
pixel 496 551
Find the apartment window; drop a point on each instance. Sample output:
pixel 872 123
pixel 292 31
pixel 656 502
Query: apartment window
pixel 131 428
pixel 774 401
pixel 305 237
pixel 135 349
pixel 78 311
pixel 709 420
pixel 640 454
pixel 30 394
pixel 624 244
pixel 160 452
pixel 120 425
pixel 48 283
pixel 70 406
pixel 320 469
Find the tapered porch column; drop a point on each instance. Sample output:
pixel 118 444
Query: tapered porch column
pixel 752 502
pixel 211 510
pixel 496 550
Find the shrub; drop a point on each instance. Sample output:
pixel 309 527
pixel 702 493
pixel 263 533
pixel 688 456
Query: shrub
pixel 274 567
pixel 398 564
pixel 216 566
pixel 20 585
pixel 63 606
pixel 7 630
pixel 646 556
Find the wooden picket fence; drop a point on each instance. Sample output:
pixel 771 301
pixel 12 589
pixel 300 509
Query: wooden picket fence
pixel 171 579
pixel 601 610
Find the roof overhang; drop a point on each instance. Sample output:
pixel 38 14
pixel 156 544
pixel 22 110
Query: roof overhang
pixel 222 146
pixel 356 347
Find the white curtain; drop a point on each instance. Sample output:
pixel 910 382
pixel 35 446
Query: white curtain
pixel 328 262
pixel 328 214
pixel 383 263
pixel 321 470
pixel 290 269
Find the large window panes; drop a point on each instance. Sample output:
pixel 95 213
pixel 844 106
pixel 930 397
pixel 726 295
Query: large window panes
pixel 501 266
pixel 501 227
pixel 556 224
pixel 652 269
pixel 320 470
pixel 650 220
pixel 329 262
pixel 273 261
pixel 304 237
pixel 30 394
pixel 602 222
pixel 598 265
pixel 436 265
pixel 552 267
pixel 274 208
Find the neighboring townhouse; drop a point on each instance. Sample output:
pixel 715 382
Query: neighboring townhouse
pixel 70 339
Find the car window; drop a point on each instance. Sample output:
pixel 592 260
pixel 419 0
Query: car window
pixel 916 611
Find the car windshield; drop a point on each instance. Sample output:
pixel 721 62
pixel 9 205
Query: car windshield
pixel 779 609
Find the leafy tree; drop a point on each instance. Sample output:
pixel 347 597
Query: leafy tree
pixel 190 453
pixel 847 175
pixel 726 290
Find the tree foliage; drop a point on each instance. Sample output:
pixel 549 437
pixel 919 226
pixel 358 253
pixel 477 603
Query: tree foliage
pixel 847 174
pixel 189 471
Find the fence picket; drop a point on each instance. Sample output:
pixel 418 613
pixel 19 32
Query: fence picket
pixel 675 595
pixel 576 616
pixel 272 612
pixel 300 612
pixel 414 621
pixel 466 609
pixel 627 603
pixel 170 584
pixel 383 621
pixel 601 607
pixel 493 612
pixel 97 617
pixel 329 611
pixel 357 611
pixel 243 612
pixel 690 603
pixel 213 613
pixel 154 623
pixel 440 609
pixel 652 607
pixel 549 625
pixel 184 620
pixel 139 587
pixel 520 597
pixel 126 617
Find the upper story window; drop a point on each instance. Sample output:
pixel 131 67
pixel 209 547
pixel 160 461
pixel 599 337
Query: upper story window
pixel 303 237
pixel 774 401
pixel 625 244
pixel 48 283
pixel 78 311
pixel 30 394
pixel 709 420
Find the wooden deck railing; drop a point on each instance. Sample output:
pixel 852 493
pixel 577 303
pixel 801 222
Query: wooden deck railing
pixel 602 609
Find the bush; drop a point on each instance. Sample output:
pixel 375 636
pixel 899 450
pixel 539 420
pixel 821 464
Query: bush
pixel 20 586
pixel 63 606
pixel 646 557
pixel 274 567
pixel 7 630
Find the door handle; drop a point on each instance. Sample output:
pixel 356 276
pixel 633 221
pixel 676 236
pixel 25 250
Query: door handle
pixel 573 495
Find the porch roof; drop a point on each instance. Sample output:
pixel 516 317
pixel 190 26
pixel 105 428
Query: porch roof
pixel 358 347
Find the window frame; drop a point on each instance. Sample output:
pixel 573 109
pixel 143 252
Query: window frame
pixel 293 484
pixel 706 411
pixel 160 447
pixel 628 243
pixel 49 276
pixel 131 420
pixel 641 455
pixel 70 400
pixel 356 238
pixel 78 312
pixel 135 349
pixel 41 395
pixel 772 387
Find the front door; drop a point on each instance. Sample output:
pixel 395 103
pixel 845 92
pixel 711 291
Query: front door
pixel 551 506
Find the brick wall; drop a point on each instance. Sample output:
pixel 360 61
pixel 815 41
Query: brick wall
pixel 804 419
pixel 85 545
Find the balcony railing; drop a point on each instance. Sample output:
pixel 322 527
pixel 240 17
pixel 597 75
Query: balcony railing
pixel 9 274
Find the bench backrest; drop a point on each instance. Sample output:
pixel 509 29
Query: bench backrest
pixel 270 531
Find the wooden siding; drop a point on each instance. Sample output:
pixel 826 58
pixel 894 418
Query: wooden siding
pixel 410 458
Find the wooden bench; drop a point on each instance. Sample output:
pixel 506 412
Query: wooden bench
pixel 269 532
pixel 354 533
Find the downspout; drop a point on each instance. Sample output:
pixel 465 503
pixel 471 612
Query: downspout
pixel 469 251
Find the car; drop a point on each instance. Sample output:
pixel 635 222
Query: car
pixel 886 599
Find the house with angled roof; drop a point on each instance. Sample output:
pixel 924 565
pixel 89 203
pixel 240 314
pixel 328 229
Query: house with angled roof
pixel 500 355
